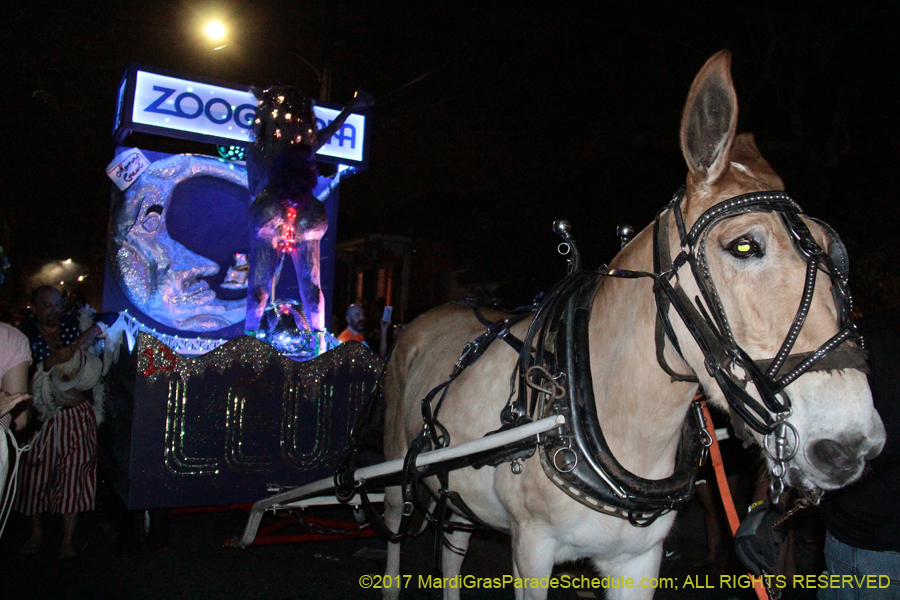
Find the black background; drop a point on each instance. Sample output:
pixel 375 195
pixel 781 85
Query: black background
pixel 492 118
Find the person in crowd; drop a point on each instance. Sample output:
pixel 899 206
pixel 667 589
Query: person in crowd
pixel 356 325
pixel 356 328
pixel 59 473
pixel 863 519
pixel 15 358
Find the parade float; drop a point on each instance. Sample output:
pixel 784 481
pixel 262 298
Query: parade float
pixel 203 410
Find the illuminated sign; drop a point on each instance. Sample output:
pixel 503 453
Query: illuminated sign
pixel 165 104
pixel 194 107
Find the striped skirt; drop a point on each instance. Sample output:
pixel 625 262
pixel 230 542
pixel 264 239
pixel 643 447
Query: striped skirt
pixel 59 473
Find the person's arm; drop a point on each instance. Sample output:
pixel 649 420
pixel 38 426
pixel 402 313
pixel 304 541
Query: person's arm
pixel 59 356
pixel 14 396
pixel 361 101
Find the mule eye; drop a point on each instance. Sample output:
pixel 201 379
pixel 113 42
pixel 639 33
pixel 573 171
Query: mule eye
pixel 745 248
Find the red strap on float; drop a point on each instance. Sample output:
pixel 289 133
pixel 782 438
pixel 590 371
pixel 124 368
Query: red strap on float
pixel 715 455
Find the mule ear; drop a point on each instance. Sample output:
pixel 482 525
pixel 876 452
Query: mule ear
pixel 710 119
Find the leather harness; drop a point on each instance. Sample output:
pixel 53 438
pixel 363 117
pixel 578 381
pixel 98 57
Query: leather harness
pixel 553 373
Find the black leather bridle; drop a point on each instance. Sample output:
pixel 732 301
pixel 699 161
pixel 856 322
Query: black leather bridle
pixel 708 324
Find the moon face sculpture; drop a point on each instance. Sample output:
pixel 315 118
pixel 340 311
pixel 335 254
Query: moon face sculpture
pixel 160 276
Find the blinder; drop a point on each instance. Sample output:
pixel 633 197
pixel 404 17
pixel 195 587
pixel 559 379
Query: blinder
pixel 836 249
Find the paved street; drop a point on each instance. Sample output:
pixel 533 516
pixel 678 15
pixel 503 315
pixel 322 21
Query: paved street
pixel 195 565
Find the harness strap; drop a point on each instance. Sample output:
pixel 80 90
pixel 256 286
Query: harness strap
pixel 578 459
pixel 471 352
pixel 502 327
pixel 432 434
pixel 663 328
pixel 541 333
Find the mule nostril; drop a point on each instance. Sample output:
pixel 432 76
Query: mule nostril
pixel 832 456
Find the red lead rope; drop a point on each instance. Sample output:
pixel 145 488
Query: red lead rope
pixel 727 501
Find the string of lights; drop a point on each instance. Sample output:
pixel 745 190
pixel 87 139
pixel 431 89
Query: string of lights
pixel 191 346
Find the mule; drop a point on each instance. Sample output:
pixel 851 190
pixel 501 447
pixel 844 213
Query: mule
pixel 759 277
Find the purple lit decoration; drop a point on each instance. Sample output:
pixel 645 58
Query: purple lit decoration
pixel 285 216
pixel 160 276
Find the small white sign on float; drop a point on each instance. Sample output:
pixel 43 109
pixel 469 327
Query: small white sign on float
pixel 127 167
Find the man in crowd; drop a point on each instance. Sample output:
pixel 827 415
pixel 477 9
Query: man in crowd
pixel 863 519
pixel 356 325
pixel 59 473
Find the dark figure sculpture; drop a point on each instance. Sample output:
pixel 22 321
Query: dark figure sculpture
pixel 286 217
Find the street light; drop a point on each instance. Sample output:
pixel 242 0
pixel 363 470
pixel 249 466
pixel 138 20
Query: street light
pixel 215 31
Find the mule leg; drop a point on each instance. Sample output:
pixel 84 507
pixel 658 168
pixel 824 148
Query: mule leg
pixel 455 546
pixel 533 555
pixel 636 567
pixel 393 507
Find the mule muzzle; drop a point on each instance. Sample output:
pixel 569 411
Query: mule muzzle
pixel 841 461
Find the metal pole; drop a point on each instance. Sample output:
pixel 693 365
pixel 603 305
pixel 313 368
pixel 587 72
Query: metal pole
pixel 390 467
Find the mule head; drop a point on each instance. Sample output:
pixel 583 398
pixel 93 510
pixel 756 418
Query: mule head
pixel 749 278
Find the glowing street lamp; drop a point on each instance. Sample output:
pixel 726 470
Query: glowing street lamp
pixel 216 31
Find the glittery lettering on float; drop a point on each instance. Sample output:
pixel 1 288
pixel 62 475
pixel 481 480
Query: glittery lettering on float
pixel 177 462
pixel 239 381
pixel 237 422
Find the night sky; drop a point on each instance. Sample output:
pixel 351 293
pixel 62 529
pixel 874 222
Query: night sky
pixel 492 118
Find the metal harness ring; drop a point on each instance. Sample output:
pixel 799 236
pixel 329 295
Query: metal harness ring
pixel 555 462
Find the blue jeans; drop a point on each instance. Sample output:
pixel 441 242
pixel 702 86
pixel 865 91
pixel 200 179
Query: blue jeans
pixel 842 559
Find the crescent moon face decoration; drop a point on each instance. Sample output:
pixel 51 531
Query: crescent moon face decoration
pixel 160 276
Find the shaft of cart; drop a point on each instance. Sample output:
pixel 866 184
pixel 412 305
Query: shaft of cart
pixel 393 467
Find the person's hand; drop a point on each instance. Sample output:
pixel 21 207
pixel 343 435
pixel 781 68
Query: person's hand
pixel 86 339
pixel 10 401
pixel 58 357
pixel 361 101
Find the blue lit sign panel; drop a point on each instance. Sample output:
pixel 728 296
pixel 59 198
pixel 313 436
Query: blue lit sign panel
pixel 194 107
pixel 218 113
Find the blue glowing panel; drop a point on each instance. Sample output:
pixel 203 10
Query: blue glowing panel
pixel 195 107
